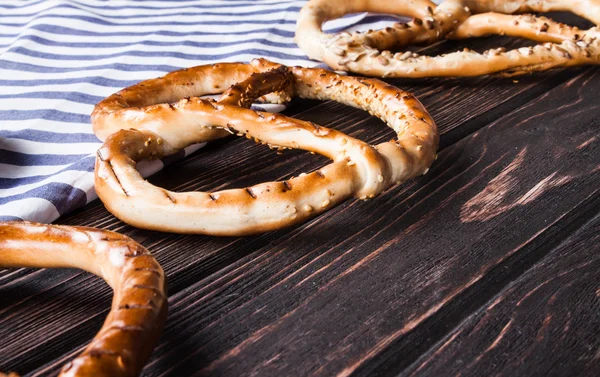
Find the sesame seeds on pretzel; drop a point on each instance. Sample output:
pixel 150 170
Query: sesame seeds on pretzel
pixel 139 305
pixel 151 103
pixel 369 53
pixel 358 169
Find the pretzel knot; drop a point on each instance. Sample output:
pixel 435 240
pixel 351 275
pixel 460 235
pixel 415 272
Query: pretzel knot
pixel 139 305
pixel 369 53
pixel 358 169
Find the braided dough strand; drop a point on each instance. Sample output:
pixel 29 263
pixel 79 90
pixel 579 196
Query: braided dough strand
pixel 368 53
pixel 439 22
pixel 149 104
pixel 139 306
pixel 588 9
pixel 358 169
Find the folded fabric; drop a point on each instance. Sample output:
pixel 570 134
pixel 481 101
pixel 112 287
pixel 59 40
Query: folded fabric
pixel 59 58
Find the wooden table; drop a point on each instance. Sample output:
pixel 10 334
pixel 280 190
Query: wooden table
pixel 487 265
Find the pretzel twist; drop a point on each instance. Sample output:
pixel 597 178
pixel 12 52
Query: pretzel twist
pixel 369 53
pixel 149 104
pixel 358 169
pixel 139 305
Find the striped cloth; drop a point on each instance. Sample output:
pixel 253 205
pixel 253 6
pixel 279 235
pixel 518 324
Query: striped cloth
pixel 60 57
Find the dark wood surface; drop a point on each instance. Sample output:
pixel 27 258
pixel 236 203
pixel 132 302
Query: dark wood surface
pixel 488 265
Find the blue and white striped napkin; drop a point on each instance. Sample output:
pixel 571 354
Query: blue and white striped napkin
pixel 58 58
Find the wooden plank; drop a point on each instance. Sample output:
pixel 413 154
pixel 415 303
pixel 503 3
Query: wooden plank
pixel 403 352
pixel 329 296
pixel 545 323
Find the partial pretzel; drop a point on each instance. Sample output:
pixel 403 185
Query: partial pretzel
pixel 359 169
pixel 149 104
pixel 139 305
pixel 368 53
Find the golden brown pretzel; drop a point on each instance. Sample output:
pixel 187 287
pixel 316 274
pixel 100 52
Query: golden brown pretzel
pixel 359 169
pixel 139 305
pixel 368 53
pixel 148 104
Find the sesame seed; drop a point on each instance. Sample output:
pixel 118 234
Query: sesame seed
pixel 339 51
pixel 382 60
pixel 308 208
pixel 380 178
pixel 325 203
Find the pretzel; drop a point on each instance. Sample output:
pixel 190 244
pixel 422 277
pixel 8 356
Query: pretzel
pixel 358 169
pixel 139 305
pixel 369 53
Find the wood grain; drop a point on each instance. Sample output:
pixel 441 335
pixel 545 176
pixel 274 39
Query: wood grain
pixel 526 328
pixel 369 287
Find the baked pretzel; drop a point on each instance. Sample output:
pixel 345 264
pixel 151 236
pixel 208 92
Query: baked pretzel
pixel 369 53
pixel 139 305
pixel 358 169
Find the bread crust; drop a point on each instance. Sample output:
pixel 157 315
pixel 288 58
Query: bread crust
pixel 139 305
